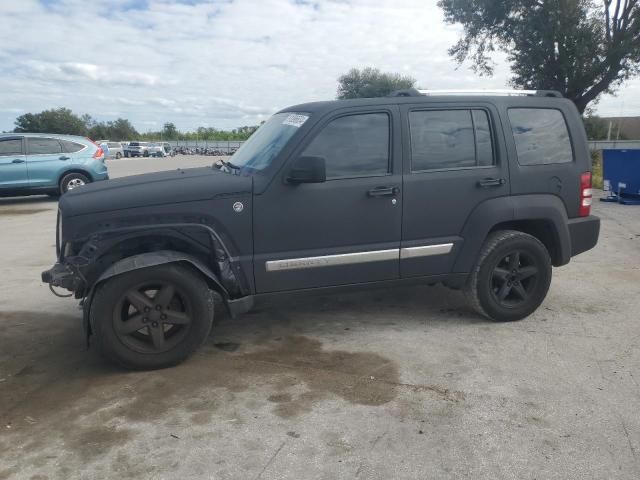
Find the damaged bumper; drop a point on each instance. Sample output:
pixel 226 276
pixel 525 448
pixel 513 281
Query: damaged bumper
pixel 63 276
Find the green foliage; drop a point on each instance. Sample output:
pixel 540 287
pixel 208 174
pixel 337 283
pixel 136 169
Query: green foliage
pixel 60 120
pixel 169 131
pixel 596 127
pixel 596 165
pixel 370 83
pixel 581 48
pixel 64 121
pixel 203 133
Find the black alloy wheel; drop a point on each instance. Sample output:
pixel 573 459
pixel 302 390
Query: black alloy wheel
pixel 511 276
pixel 153 317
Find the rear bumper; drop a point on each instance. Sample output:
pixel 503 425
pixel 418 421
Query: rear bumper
pixel 584 233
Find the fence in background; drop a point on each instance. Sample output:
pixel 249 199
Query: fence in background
pixel 614 144
pixel 212 144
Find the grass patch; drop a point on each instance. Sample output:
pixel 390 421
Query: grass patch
pixel 596 165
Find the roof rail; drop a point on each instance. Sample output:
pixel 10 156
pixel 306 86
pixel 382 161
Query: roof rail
pixel 412 92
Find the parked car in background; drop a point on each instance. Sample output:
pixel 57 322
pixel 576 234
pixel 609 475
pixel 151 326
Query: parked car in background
pixel 137 149
pixel 32 164
pixel 160 149
pixel 115 149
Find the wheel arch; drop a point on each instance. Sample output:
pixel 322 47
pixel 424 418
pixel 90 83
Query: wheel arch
pixel 73 170
pixel 162 257
pixel 543 216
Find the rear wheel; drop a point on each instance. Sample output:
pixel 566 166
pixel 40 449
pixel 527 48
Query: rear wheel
pixel 118 155
pixel 73 180
pixel 153 317
pixel 511 278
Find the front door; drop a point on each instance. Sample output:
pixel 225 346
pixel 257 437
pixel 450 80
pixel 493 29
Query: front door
pixel 454 161
pixel 342 231
pixel 13 166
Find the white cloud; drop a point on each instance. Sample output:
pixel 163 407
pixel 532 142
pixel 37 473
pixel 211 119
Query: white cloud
pixel 218 62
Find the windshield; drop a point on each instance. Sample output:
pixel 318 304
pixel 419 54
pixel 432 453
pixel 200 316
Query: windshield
pixel 261 148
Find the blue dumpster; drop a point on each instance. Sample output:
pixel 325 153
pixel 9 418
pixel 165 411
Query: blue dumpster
pixel 621 176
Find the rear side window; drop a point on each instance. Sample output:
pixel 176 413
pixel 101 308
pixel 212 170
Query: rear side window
pixel 40 146
pixel 10 146
pixel 113 145
pixel 354 146
pixel 541 136
pixel 444 139
pixel 71 147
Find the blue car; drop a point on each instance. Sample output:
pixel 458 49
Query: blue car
pixel 37 163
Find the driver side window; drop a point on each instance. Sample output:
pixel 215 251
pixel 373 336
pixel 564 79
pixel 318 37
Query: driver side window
pixel 353 146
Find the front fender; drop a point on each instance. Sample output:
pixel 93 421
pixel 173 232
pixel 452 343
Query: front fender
pixel 152 259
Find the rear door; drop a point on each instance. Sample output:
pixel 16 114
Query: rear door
pixel 13 166
pixel 453 161
pixel 550 156
pixel 45 159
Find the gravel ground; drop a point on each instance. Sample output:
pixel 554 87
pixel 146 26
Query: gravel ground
pixel 398 384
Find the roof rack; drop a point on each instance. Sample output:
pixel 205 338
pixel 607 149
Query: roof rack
pixel 412 92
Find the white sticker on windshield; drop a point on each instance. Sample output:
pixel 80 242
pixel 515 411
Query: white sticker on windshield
pixel 295 120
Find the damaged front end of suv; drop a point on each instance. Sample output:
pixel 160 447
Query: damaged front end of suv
pixel 182 217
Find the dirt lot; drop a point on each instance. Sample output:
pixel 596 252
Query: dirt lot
pixel 393 384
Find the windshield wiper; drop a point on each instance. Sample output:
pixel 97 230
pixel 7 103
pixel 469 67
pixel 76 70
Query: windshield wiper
pixel 230 165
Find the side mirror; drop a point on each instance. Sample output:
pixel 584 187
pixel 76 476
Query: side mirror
pixel 307 170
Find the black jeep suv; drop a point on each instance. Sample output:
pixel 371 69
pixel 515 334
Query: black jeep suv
pixel 480 192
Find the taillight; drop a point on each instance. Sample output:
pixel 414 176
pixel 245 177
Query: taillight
pixel 99 152
pixel 586 194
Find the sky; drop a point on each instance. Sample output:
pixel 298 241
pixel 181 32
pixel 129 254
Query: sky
pixel 221 63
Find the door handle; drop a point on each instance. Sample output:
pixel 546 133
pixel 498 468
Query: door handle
pixel 491 182
pixel 383 192
pixel 64 157
pixel 18 160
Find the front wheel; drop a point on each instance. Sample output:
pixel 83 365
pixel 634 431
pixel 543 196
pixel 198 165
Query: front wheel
pixel 118 155
pixel 511 277
pixel 153 317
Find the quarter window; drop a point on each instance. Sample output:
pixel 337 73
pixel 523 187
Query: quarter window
pixel 443 139
pixel 354 146
pixel 10 146
pixel 71 147
pixel 541 136
pixel 42 146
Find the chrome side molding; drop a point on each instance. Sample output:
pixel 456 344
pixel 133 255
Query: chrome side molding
pixel 357 257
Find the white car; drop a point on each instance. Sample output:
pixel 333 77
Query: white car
pixel 159 149
pixel 115 148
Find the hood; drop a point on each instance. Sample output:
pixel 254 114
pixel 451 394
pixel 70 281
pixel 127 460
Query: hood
pixel 150 189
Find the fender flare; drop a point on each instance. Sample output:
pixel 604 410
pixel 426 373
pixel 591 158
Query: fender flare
pixel 547 208
pixel 152 259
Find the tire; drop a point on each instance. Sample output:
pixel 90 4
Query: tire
pixel 145 154
pixel 72 180
pixel 118 155
pixel 167 335
pixel 511 277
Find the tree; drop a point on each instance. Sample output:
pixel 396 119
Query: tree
pixel 61 120
pixel 581 48
pixel 371 82
pixel 121 129
pixel 169 131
